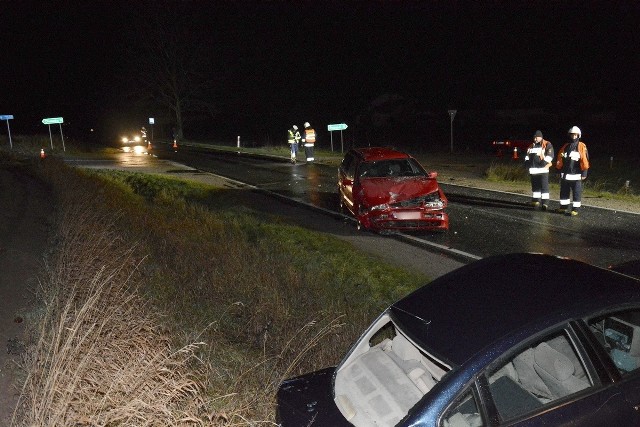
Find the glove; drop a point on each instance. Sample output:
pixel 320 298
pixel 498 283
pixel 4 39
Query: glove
pixel 304 140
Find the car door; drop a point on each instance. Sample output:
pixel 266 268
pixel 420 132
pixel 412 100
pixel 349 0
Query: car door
pixel 346 177
pixel 554 381
pixel 617 336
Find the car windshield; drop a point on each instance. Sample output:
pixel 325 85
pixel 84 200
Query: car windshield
pixel 391 168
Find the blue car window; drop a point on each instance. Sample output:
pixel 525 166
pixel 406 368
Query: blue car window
pixel 463 413
pixel 619 334
pixel 542 372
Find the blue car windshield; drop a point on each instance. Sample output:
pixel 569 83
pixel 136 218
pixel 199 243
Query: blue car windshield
pixel 391 168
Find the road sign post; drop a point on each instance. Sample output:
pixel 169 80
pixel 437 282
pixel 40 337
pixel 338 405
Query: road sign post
pixel 62 137
pixel 151 122
pixel 452 114
pixel 52 121
pixel 8 117
pixel 340 127
pixel 50 137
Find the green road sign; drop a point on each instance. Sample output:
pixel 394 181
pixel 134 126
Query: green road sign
pixel 340 126
pixel 52 121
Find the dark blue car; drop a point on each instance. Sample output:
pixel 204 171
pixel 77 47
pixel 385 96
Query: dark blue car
pixel 518 340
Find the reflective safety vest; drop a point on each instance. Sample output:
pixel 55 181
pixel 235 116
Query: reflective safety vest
pixel 290 138
pixel 573 165
pixel 539 155
pixel 309 136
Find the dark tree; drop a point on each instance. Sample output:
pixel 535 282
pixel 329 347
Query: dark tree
pixel 173 64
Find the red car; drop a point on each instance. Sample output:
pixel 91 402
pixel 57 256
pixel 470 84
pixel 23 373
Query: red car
pixel 388 189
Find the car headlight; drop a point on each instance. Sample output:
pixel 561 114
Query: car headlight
pixel 137 139
pixel 125 139
pixel 381 207
pixel 434 204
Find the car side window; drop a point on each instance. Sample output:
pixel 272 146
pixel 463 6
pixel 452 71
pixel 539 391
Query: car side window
pixel 349 165
pixel 463 413
pixel 619 334
pixel 543 371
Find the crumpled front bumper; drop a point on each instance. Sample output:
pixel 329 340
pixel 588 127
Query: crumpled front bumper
pixel 402 219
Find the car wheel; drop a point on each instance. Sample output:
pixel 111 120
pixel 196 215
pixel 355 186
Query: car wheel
pixel 359 224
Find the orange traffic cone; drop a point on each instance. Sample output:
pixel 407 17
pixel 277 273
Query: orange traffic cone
pixel 42 155
pixel 175 144
pixel 149 145
pixel 515 153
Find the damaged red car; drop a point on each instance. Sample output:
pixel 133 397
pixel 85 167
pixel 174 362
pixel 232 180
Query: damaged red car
pixel 387 189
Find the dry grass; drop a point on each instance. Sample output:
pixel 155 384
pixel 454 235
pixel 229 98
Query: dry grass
pixel 162 314
pixel 101 355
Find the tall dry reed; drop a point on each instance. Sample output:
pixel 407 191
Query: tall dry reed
pixel 104 354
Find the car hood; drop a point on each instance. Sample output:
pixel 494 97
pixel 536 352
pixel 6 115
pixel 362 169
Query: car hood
pixel 307 400
pixel 391 190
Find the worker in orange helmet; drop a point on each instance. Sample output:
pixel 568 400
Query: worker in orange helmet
pixel 573 164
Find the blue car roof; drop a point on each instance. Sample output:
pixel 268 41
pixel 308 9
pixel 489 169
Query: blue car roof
pixel 461 313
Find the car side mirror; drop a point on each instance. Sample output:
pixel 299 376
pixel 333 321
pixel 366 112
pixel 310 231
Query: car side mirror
pixel 432 175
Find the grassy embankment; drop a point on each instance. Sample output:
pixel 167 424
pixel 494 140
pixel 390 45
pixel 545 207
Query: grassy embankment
pixel 163 305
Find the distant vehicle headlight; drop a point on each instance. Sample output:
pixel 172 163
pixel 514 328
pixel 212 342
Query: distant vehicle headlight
pixel 125 139
pixel 137 138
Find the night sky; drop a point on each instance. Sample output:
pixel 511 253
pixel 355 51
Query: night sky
pixel 275 63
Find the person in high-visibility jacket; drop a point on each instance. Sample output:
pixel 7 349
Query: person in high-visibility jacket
pixel 309 141
pixel 293 138
pixel 539 159
pixel 573 164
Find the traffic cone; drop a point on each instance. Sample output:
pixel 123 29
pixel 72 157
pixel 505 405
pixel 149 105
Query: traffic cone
pixel 148 145
pixel 175 145
pixel 42 155
pixel 515 153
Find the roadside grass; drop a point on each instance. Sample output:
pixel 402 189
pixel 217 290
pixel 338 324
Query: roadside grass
pixel 506 172
pixel 604 180
pixel 147 289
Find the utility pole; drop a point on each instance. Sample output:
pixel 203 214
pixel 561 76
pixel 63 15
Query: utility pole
pixel 452 114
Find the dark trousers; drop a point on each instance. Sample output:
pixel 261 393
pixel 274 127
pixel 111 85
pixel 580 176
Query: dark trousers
pixel 540 186
pixel 308 151
pixel 568 187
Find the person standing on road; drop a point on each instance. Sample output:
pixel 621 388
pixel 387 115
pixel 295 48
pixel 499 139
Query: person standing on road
pixel 309 141
pixel 539 159
pixel 293 138
pixel 573 164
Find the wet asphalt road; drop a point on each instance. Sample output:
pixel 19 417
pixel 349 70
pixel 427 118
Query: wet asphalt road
pixel 482 223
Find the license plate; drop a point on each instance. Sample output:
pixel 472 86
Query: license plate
pixel 407 215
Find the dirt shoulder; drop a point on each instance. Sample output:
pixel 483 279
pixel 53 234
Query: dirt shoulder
pixel 24 225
